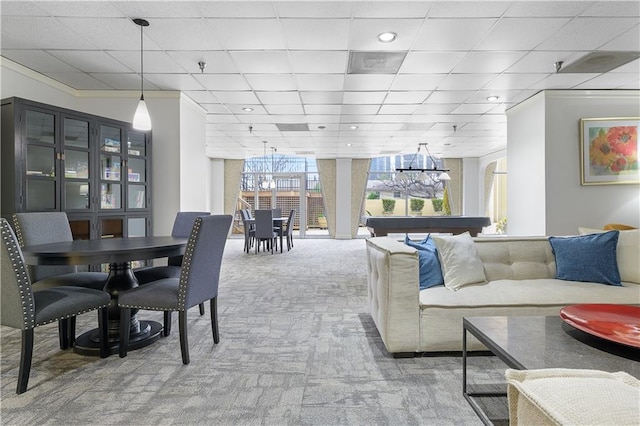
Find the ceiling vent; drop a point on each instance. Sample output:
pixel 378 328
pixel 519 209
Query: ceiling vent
pixel 599 62
pixel 293 127
pixel 375 62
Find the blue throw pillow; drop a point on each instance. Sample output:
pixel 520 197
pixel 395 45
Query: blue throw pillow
pixel 430 269
pixel 590 258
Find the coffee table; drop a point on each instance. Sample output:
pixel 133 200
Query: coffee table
pixel 530 342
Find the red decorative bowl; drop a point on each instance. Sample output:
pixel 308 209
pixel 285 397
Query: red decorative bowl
pixel 616 323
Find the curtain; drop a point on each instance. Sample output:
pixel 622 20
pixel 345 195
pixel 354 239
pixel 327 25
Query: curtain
pixel 232 175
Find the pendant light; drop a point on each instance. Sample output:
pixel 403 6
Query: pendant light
pixel 141 119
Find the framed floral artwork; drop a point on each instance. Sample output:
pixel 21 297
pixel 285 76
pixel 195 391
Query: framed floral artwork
pixel 609 151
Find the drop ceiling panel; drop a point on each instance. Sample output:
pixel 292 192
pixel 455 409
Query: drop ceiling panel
pixel 630 40
pixel 360 109
pixel 171 34
pixel 318 62
pixel 38 59
pixel 397 109
pixel 417 81
pixel 546 8
pixel 80 8
pixel 223 81
pixel 449 96
pixel 78 80
pixel 284 109
pixel 610 80
pixel 154 61
pixel 487 62
pixel 318 82
pixel 217 62
pixel 368 82
pixel 202 96
pixel 237 9
pixel 149 9
pixel 321 97
pixel 406 97
pixel 520 33
pixel 468 9
pixel 512 81
pixel 465 81
pixel 543 62
pixel 430 62
pixel 316 34
pixel 124 81
pixel 234 97
pixel 27 33
pixel 285 98
pixel 561 81
pixel 239 34
pixel 452 34
pixel 363 97
pixel 322 109
pixel 174 81
pixel 262 62
pixel 386 9
pixel 312 9
pixel 587 33
pixel 93 61
pixel 364 32
pixel 109 33
pixel 271 81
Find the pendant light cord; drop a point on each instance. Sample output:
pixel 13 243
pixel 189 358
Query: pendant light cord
pixel 141 65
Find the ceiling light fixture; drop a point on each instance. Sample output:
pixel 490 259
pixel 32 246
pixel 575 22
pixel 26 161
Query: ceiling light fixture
pixel 354 127
pixel 493 98
pixel 141 118
pixel 247 109
pixel 202 66
pixel 424 173
pixel 387 37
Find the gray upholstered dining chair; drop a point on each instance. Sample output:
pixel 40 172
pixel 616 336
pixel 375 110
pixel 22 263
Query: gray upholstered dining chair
pixel 23 308
pixel 288 231
pixel 181 229
pixel 52 227
pixel 249 229
pixel 198 282
pixel 265 231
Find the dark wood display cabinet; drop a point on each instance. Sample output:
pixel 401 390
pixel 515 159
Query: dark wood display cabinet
pixel 95 169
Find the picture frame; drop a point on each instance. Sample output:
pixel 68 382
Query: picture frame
pixel 609 151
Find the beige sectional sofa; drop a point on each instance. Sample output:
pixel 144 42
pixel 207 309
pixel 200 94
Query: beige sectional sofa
pixel 520 273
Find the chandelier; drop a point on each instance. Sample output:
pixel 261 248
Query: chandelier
pixel 424 173
pixel 268 182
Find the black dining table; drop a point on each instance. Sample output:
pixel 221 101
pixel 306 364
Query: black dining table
pixel 278 221
pixel 118 253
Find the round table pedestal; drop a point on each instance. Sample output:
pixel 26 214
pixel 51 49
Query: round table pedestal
pixel 141 334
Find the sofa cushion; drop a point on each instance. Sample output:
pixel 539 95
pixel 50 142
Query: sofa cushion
pixel 527 294
pixel 430 269
pixel 461 264
pixel 628 252
pixel 589 258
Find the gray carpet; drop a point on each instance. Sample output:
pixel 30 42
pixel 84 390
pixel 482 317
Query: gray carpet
pixel 297 348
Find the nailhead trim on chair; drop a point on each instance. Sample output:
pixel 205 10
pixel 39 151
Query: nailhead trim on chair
pixel 18 230
pixel 24 284
pixel 186 264
pixel 28 308
pixel 184 274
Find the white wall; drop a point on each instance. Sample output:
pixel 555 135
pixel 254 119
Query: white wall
pixel 194 164
pixel 526 198
pixel 569 204
pixel 543 172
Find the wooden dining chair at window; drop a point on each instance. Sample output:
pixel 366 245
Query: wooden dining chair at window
pixel 265 232
pixel 23 308
pixel 198 282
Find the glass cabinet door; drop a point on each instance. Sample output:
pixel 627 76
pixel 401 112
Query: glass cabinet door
pixel 137 170
pixel 41 185
pixel 110 168
pixel 77 188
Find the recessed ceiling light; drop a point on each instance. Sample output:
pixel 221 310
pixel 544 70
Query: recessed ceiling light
pixel 354 127
pixel 247 109
pixel 493 98
pixel 322 127
pixel 349 144
pixel 387 37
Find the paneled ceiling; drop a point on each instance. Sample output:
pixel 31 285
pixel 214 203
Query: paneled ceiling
pixel 289 61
